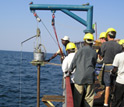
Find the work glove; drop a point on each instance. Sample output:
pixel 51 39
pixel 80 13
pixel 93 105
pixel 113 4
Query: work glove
pixel 68 73
pixel 62 58
pixel 112 73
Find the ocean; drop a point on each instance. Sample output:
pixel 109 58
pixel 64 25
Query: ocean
pixel 18 80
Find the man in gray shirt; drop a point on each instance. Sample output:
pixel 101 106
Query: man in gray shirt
pixel 84 61
pixel 108 51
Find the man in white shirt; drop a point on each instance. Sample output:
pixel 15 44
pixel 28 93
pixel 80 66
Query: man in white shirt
pixel 118 64
pixel 70 48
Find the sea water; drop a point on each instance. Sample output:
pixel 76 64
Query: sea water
pixel 18 80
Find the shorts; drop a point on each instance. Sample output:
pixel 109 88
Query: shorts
pixel 108 68
pixel 106 78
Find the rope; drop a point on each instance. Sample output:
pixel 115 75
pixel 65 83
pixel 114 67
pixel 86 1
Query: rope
pixel 48 31
pixel 53 24
pixel 39 20
pixel 52 64
pixel 20 79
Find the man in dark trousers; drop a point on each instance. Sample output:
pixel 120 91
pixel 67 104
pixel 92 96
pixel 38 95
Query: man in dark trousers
pixel 84 64
pixel 118 69
pixel 108 51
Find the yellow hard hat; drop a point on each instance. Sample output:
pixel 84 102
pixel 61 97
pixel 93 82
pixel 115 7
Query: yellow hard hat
pixel 88 36
pixel 103 35
pixel 110 30
pixel 70 46
pixel 121 41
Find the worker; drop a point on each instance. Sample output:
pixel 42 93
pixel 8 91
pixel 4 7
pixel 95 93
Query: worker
pixel 65 40
pixel 118 64
pixel 108 51
pixel 84 63
pixel 103 37
pixel 70 48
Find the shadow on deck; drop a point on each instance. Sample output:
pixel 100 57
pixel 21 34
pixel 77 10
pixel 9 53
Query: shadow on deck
pixel 99 95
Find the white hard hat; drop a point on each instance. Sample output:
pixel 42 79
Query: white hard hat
pixel 65 38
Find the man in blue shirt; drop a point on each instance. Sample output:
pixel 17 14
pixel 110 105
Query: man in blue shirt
pixel 65 40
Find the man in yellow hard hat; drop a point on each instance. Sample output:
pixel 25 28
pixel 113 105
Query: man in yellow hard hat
pixel 108 51
pixel 118 64
pixel 71 49
pixel 103 37
pixel 121 42
pixel 84 64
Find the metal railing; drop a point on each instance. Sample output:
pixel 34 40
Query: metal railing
pixel 69 96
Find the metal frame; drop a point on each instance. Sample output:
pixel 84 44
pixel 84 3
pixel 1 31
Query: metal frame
pixel 67 10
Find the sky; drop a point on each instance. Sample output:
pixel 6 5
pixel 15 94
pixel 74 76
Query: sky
pixel 17 23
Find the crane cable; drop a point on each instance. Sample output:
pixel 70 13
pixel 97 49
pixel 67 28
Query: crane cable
pixel 53 24
pixel 39 20
pixel 48 31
